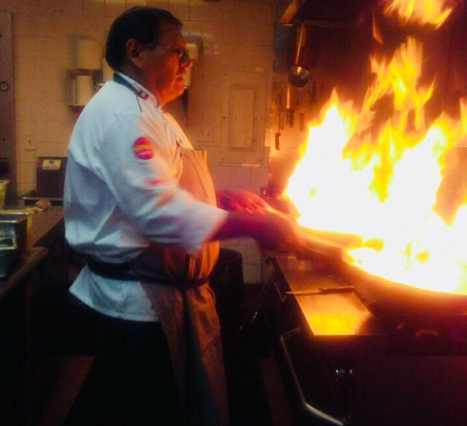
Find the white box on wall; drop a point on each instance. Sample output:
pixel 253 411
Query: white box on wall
pixel 243 118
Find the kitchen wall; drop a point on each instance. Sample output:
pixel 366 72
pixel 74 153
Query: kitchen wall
pixel 237 38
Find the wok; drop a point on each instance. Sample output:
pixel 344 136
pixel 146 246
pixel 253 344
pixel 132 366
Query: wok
pixel 386 297
pixel 382 296
pixel 390 297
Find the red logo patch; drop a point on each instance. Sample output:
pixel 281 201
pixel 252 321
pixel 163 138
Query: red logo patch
pixel 142 149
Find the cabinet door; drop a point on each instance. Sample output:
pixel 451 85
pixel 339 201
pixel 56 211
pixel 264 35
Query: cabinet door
pixel 243 118
pixel 7 104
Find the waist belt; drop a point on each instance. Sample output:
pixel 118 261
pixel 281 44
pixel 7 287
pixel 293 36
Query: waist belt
pixel 125 272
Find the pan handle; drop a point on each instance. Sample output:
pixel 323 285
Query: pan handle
pixel 323 247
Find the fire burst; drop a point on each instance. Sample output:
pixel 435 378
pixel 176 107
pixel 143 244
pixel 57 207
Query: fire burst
pixel 380 183
pixel 433 12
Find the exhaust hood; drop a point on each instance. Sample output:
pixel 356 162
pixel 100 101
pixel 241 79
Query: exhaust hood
pixel 326 11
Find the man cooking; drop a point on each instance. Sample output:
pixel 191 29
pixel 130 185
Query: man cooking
pixel 140 204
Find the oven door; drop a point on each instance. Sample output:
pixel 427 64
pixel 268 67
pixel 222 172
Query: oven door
pixel 309 387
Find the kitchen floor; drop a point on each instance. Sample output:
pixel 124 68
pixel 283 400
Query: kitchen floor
pixel 252 376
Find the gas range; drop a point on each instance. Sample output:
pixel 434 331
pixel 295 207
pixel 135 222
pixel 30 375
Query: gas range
pixel 339 318
pixel 348 362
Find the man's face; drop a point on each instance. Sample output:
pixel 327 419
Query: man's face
pixel 164 67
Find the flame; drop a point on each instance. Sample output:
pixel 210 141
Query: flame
pixel 375 172
pixel 375 31
pixel 433 12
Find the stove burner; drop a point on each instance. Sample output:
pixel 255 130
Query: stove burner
pixel 423 334
pixel 427 335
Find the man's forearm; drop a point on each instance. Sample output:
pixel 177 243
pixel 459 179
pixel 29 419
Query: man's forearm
pixel 222 198
pixel 239 225
pixel 271 231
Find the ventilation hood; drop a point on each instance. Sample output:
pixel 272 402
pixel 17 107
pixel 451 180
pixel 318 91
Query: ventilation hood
pixel 354 12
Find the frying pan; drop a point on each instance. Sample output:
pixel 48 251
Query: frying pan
pixel 381 295
pixel 394 298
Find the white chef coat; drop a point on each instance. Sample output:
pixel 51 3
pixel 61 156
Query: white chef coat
pixel 117 201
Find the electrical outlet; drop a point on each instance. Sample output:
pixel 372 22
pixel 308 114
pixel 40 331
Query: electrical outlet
pixel 30 145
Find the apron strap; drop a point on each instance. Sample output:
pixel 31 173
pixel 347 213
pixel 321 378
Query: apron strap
pixel 124 272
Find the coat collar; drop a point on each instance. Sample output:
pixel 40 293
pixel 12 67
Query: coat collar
pixel 136 87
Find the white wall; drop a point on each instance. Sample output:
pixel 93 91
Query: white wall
pixel 237 37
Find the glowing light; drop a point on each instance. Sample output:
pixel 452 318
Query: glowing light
pixel 377 176
pixel 433 12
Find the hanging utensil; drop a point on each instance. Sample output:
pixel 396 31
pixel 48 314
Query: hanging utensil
pixel 301 110
pixel 282 112
pixel 289 114
pixel 312 94
pixel 277 143
pixel 299 76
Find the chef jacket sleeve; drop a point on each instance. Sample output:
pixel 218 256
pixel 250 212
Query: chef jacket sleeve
pixel 145 187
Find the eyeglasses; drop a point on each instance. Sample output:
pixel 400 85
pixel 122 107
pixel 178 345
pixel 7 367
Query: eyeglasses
pixel 181 52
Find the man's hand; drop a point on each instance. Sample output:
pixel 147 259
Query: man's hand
pixel 241 201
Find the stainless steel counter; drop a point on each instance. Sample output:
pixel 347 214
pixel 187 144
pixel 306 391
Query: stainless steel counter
pixel 46 226
pixel 16 297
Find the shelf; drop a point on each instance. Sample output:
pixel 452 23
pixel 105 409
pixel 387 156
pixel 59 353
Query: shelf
pixel 77 88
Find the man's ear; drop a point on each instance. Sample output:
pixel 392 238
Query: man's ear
pixel 133 50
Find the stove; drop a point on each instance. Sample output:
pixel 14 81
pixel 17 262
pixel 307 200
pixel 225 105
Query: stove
pixel 347 361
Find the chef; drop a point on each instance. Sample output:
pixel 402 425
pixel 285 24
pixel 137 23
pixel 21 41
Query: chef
pixel 141 206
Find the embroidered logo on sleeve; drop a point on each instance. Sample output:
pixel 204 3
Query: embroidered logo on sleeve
pixel 142 149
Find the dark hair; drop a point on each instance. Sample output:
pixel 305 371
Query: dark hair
pixel 141 23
